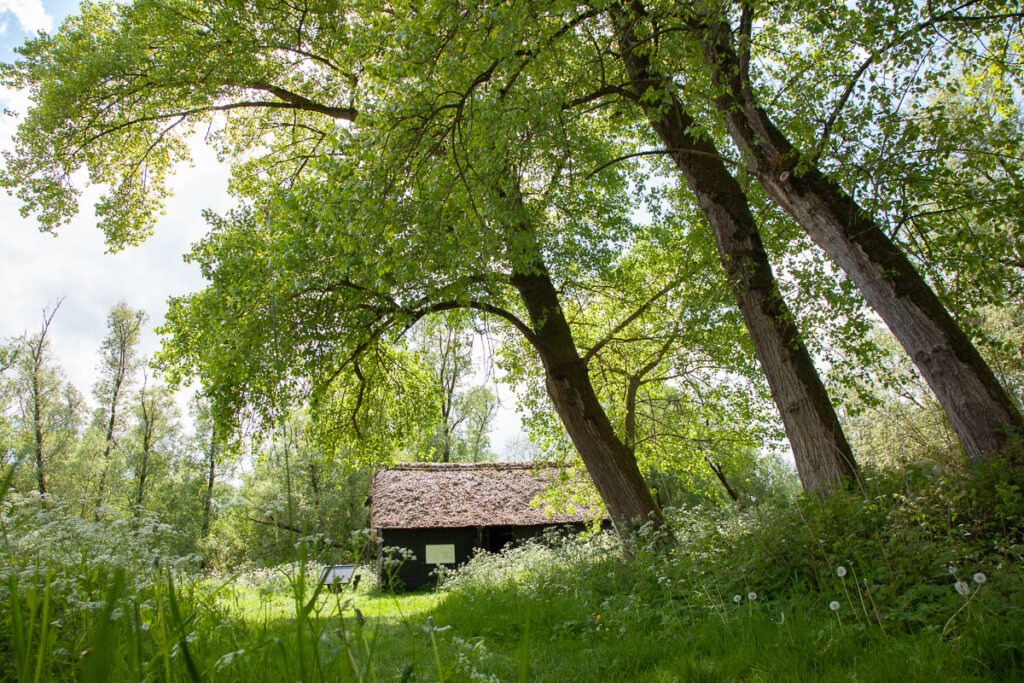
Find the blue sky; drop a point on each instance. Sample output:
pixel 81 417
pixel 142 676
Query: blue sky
pixel 23 18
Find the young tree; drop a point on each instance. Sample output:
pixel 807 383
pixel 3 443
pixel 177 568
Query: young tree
pixel 119 363
pixel 48 407
pixel 152 441
pixel 465 412
pixel 8 356
pixel 211 444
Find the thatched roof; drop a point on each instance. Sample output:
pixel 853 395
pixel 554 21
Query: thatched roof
pixel 448 495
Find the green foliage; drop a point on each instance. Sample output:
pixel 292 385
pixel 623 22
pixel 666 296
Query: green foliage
pixel 896 421
pixel 853 586
pixel 94 602
pixel 42 411
pixel 912 109
pixel 293 497
pixel 463 409
pixel 750 592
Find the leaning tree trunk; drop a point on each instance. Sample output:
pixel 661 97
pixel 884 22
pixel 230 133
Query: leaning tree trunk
pixel 978 407
pixel 823 457
pixel 611 465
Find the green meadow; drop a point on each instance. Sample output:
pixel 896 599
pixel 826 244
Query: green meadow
pixel 888 586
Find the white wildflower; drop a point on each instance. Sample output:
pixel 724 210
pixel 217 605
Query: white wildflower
pixel 737 599
pixel 979 578
pixel 840 571
pixel 751 596
pixel 834 605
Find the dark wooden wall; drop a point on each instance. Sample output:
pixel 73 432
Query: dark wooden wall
pixel 417 573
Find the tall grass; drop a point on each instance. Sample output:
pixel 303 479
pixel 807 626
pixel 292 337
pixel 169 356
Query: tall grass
pixel 918 580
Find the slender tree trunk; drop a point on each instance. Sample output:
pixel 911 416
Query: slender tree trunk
pixel 118 362
pixel 612 466
pixel 37 350
pixel 37 446
pixel 978 407
pixel 108 441
pixel 823 457
pixel 314 486
pixel 211 477
pixel 140 490
pixel 149 416
pixel 448 374
pixel 629 422
pixel 717 469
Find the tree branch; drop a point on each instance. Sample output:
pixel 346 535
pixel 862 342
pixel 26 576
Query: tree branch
pixel 596 348
pixel 299 102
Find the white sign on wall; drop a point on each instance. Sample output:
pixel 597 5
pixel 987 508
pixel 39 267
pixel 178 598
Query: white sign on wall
pixel 441 554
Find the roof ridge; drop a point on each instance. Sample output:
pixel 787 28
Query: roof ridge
pixel 469 466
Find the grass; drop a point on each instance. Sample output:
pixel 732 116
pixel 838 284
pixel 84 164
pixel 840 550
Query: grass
pixel 889 586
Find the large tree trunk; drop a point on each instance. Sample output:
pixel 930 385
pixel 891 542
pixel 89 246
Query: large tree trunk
pixel 612 466
pixel 978 407
pixel 823 456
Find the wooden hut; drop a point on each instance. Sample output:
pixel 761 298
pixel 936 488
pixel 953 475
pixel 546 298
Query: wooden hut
pixel 443 512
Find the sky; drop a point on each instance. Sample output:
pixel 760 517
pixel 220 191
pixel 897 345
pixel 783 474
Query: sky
pixel 73 267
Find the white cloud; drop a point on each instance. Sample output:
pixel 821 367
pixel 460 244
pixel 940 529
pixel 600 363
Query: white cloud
pixel 40 269
pixel 30 14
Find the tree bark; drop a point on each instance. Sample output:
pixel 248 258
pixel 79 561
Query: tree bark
pixel 979 409
pixel 612 466
pixel 823 457
pixel 211 477
pixel 37 423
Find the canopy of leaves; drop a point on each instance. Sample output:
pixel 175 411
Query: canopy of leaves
pixel 404 159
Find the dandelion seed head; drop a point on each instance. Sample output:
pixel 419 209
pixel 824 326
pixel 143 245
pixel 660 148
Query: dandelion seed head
pixel 737 598
pixel 834 605
pixel 751 596
pixel 840 571
pixel 962 588
pixel 979 578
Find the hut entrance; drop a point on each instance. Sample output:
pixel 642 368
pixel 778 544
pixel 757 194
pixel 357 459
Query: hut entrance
pixel 493 539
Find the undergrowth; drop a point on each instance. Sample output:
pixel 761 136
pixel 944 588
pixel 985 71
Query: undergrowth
pixel 915 577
